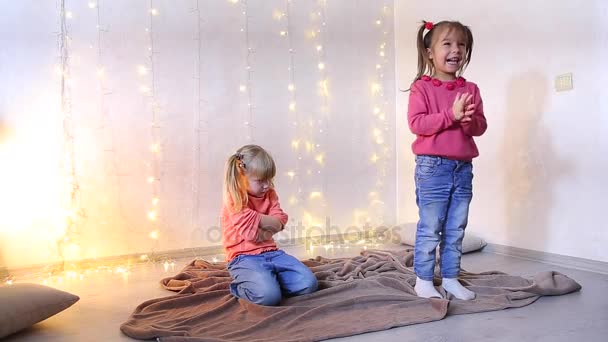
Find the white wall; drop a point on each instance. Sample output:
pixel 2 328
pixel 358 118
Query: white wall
pixel 112 119
pixel 540 182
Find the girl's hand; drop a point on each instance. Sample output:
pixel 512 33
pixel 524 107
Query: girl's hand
pixel 468 113
pixel 460 106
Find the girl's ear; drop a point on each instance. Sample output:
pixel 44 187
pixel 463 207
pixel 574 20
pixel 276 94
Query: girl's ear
pixel 429 53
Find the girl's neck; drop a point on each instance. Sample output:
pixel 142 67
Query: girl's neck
pixel 444 77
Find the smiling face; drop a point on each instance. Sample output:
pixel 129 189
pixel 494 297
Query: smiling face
pixel 447 53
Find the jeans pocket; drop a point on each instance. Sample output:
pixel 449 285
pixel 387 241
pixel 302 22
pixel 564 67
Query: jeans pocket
pixel 425 167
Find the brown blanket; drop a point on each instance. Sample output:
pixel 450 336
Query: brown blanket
pixel 370 292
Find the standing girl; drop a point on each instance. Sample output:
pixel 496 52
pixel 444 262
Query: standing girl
pixel 445 112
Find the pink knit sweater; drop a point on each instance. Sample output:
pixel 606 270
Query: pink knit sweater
pixel 430 117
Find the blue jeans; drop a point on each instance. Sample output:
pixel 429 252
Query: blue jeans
pixel 444 189
pixel 264 278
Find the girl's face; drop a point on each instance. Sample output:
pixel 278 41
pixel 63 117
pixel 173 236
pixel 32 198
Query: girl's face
pixel 256 186
pixel 447 53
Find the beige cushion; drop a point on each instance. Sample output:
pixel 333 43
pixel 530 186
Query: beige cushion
pixel 22 305
pixel 470 243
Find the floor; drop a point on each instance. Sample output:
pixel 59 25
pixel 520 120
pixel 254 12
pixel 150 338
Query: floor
pixel 107 299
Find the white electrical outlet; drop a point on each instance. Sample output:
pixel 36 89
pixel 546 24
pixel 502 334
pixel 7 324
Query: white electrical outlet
pixel 563 82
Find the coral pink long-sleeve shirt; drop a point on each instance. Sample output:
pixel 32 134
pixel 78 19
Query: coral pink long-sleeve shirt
pixel 240 230
pixel 431 118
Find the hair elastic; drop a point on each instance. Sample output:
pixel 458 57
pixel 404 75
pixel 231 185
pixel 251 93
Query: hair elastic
pixel 239 157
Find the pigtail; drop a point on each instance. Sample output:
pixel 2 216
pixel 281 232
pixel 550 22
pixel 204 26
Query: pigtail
pixel 235 184
pixel 467 59
pixel 422 43
pixel 423 58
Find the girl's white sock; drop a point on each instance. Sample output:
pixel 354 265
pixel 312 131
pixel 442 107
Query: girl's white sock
pixel 425 289
pixel 453 286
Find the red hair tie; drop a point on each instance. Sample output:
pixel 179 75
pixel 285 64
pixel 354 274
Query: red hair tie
pixel 428 25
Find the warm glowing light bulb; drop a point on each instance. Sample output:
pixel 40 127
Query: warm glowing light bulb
pixel 92 5
pixel 295 144
pixel 291 174
pixel 309 145
pixel 378 22
pixel 319 159
pixel 315 194
pixel 321 66
pixel 292 106
pixel 291 87
pixel 155 201
pixel 142 70
pixel 150 179
pixel 319 47
pixel 283 33
pixel 375 88
pixel 154 234
pixel 152 215
pixel 69 15
pixel 374 158
pixel 144 89
pixel 154 11
pixel 376 110
pixel 242 88
pixel 324 88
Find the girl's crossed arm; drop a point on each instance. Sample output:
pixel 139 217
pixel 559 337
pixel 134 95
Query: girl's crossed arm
pixel 275 221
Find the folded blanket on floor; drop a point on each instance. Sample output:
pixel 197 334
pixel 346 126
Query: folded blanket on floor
pixel 370 292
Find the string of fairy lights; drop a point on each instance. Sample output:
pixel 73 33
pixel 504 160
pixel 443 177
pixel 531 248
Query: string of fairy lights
pixel 381 125
pixel 198 122
pixel 292 110
pixel 311 130
pixel 246 86
pixel 320 126
pixel 75 213
pixel 149 91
